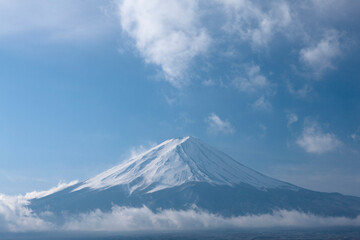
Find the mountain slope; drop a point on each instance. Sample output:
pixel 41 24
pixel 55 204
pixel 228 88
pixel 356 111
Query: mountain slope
pixel 182 173
pixel 177 161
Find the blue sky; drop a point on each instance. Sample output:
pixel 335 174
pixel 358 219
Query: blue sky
pixel 85 84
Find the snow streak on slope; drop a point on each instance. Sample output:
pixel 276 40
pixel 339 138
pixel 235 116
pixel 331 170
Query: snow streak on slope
pixel 178 161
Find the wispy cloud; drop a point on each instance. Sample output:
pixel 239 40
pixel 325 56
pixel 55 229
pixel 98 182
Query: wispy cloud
pixel 321 55
pixel 292 118
pixel 216 125
pixel 253 80
pixel 208 82
pixel 135 151
pixel 255 23
pixel 262 104
pixel 59 187
pixel 356 135
pixel 171 35
pixel 166 33
pixel 314 140
pixel 302 92
pixel 56 20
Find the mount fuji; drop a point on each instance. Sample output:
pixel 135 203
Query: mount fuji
pixel 186 173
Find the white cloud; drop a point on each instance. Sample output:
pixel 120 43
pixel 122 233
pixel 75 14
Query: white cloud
pixel 262 104
pixel 292 118
pixel 166 33
pixel 314 140
pixel 135 219
pixel 135 151
pixel 302 92
pixel 253 81
pixel 59 187
pixel 263 127
pixel 257 23
pixel 216 125
pixel 320 57
pixel 208 82
pixel 334 10
pixel 55 20
pixel 356 135
pixel 16 217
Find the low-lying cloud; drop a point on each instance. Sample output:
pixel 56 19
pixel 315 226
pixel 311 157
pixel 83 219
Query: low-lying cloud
pixel 15 216
pixel 128 219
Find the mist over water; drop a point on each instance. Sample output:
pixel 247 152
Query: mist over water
pixel 244 234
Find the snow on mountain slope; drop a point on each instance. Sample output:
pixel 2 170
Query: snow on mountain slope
pixel 177 161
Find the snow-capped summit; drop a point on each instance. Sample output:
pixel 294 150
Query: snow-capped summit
pixel 175 162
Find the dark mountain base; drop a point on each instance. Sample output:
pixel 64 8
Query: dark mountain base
pixel 224 200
